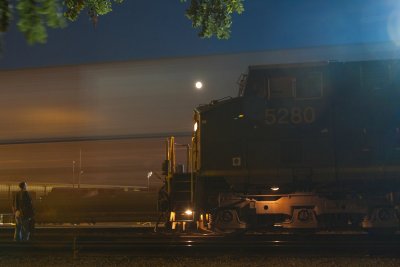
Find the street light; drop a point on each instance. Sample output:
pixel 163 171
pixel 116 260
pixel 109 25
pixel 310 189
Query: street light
pixel 149 174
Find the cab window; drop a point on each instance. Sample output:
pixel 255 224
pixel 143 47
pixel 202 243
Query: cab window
pixel 310 85
pixel 304 86
pixel 281 87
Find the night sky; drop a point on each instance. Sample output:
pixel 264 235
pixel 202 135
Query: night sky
pixel 158 29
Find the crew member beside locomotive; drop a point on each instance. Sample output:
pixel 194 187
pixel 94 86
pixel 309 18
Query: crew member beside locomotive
pixel 23 212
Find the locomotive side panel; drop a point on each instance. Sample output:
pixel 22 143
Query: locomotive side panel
pixel 221 135
pixel 296 118
pixel 366 120
pixel 276 132
pixel 314 123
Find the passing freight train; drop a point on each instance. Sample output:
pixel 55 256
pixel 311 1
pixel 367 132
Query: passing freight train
pixel 94 205
pixel 88 205
pixel 303 146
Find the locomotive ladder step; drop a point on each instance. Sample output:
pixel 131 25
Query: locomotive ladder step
pixel 181 191
pixel 181 177
pixel 181 206
pixel 178 195
pixel 181 196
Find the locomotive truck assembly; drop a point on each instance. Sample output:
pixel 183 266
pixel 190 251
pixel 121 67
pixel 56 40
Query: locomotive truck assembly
pixel 303 146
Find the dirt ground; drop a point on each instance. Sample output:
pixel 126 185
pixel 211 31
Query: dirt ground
pixel 176 261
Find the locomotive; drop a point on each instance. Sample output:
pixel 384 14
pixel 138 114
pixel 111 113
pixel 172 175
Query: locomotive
pixel 303 146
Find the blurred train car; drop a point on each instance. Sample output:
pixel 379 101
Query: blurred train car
pixel 92 205
pixel 303 146
pixel 87 205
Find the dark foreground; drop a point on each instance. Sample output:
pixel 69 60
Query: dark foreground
pixel 140 246
pixel 200 260
pixel 143 240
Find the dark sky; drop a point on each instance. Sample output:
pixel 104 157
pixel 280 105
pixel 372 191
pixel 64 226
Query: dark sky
pixel 158 29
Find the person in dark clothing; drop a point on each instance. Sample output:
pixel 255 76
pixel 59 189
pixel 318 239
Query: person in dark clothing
pixel 24 213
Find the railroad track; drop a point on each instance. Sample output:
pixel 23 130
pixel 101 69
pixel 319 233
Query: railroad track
pixel 144 240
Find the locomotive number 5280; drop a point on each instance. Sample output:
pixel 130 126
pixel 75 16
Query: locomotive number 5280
pixel 294 115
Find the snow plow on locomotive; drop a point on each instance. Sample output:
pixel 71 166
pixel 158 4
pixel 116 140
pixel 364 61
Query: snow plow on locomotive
pixel 303 146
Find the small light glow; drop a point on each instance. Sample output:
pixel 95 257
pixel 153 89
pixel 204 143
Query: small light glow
pixel 149 174
pixel 241 116
pixel 199 85
pixel 274 188
pixel 195 126
pixel 188 212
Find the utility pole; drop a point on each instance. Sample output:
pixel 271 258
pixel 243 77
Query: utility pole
pixel 73 174
pixel 80 168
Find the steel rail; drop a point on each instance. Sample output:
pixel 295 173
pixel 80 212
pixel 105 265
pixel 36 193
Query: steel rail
pixel 122 241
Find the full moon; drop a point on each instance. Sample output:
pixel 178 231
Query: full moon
pixel 199 85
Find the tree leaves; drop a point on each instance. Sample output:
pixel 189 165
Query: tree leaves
pixel 5 15
pixel 35 15
pixel 213 17
pixel 95 8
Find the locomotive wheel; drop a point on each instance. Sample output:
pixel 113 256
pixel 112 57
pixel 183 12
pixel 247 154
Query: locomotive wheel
pixel 303 215
pixel 223 221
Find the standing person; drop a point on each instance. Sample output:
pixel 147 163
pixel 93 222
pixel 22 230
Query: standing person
pixel 23 211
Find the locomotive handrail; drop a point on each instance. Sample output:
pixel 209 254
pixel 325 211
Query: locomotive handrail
pixel 171 161
pixel 242 83
pixel 171 156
